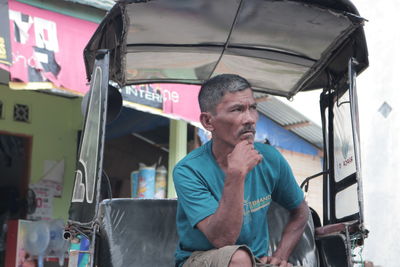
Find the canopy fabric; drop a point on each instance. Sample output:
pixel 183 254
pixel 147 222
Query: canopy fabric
pixel 281 47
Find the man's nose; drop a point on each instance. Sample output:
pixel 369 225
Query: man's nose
pixel 250 117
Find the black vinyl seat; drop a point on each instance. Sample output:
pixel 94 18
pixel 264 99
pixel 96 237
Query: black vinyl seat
pixel 305 253
pixel 142 232
pixel 137 232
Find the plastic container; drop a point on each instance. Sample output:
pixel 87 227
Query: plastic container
pixel 77 258
pixel 161 182
pixel 147 175
pixel 134 183
pixel 58 246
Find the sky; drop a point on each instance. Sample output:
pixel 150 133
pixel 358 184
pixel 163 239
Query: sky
pixel 377 87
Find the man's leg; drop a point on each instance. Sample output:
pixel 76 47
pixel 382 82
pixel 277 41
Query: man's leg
pixel 229 256
pixel 241 258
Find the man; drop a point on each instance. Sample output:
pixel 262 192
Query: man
pixel 225 187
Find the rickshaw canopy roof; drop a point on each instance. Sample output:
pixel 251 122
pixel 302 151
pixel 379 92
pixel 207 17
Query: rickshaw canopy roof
pixel 281 47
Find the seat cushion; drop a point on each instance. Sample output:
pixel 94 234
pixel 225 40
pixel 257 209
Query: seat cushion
pixel 137 232
pixel 305 253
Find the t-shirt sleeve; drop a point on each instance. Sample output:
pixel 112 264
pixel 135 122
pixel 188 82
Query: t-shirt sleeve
pixel 194 197
pixel 287 192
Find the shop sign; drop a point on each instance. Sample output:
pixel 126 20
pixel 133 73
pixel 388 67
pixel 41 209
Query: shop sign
pixel 5 55
pixel 148 95
pixel 48 47
pixel 171 100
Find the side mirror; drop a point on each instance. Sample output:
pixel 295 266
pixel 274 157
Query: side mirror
pixel 114 104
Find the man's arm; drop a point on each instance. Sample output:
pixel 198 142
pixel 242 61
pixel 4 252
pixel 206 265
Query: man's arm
pixel 223 227
pixel 290 236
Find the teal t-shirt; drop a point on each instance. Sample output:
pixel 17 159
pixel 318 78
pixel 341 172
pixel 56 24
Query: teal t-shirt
pixel 199 183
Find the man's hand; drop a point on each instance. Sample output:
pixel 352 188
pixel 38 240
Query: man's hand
pixel 275 261
pixel 242 159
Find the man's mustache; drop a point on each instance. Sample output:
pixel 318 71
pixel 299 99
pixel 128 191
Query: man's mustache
pixel 247 128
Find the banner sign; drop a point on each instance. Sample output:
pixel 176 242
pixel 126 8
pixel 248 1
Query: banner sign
pixel 5 53
pixel 148 95
pixel 171 100
pixel 48 47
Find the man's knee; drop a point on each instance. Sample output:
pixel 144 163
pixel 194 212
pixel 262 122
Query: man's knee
pixel 241 258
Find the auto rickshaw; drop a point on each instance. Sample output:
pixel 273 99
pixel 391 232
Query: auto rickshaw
pixel 283 47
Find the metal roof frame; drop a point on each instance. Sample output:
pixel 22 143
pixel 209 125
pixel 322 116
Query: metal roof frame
pixel 281 47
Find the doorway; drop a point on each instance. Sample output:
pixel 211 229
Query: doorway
pixel 15 158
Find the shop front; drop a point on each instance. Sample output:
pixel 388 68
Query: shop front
pixel 40 118
pixel 42 84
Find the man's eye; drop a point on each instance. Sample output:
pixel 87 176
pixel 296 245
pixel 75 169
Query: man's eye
pixel 253 107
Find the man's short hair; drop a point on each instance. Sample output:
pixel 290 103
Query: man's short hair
pixel 212 91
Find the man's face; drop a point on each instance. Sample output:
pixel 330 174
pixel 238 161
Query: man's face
pixel 235 118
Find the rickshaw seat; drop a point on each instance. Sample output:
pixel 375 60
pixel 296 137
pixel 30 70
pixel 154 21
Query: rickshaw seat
pixel 142 232
pixel 137 232
pixel 306 252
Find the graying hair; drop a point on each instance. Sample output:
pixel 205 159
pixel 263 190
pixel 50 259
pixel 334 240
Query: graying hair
pixel 212 91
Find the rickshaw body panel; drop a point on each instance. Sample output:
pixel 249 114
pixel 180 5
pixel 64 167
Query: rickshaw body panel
pixel 281 47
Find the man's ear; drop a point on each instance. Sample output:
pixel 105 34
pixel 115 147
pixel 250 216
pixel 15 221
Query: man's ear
pixel 206 121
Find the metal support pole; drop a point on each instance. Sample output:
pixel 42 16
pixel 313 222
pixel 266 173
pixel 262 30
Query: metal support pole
pixel 177 150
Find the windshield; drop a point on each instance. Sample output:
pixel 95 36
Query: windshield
pixel 343 139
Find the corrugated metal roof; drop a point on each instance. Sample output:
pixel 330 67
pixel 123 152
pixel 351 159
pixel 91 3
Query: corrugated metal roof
pixel 290 119
pixel 101 4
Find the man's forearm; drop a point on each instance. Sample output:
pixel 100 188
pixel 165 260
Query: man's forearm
pixel 292 232
pixel 224 226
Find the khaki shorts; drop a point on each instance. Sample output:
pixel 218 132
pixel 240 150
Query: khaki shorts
pixel 215 257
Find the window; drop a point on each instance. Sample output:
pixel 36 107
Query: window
pixel 21 113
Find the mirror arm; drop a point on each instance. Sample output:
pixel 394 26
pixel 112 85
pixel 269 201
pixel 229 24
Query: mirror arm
pixel 307 180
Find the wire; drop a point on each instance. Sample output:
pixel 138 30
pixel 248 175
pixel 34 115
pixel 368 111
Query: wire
pixel 108 184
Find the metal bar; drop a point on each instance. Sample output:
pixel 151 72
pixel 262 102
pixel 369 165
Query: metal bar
pixel 228 38
pixel 356 134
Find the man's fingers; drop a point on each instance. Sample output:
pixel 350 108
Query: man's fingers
pixel 285 264
pixel 264 259
pixel 244 157
pixel 274 261
pixel 277 262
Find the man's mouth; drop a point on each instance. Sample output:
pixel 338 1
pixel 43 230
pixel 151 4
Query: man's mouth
pixel 247 133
